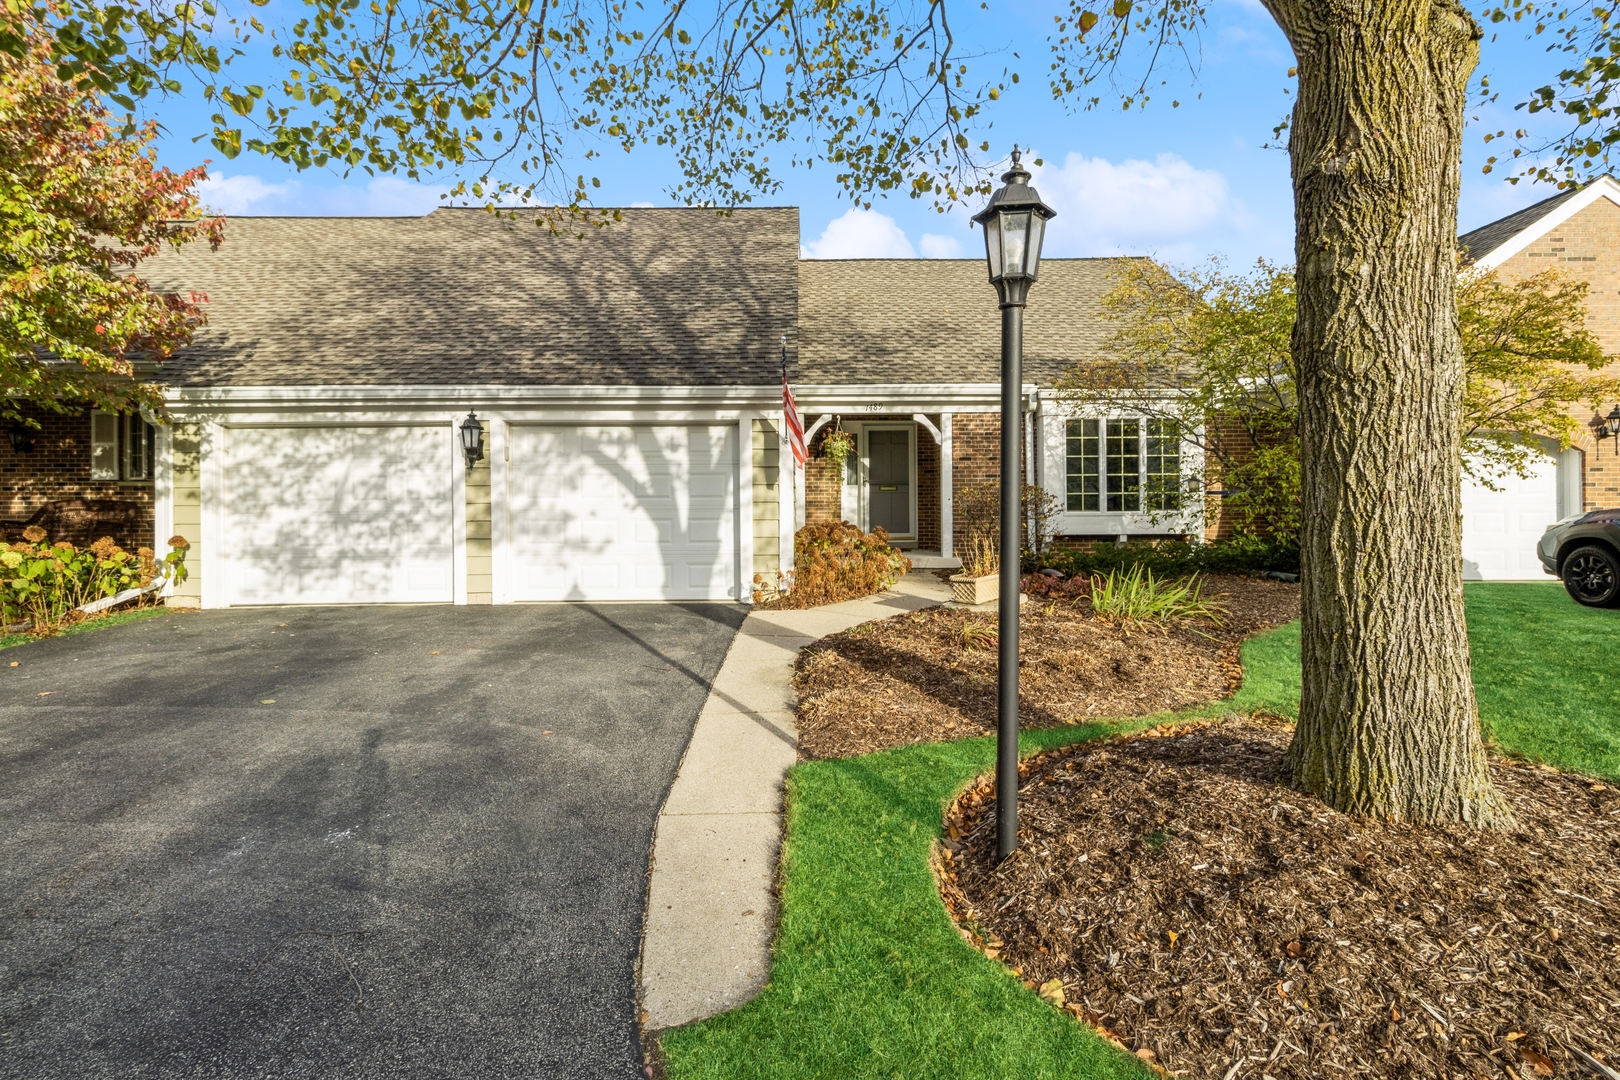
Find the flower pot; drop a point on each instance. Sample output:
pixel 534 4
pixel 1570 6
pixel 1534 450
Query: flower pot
pixel 975 590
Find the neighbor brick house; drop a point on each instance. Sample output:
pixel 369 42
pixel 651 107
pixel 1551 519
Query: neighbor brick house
pixel 1576 232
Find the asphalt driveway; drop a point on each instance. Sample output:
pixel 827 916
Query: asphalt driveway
pixel 359 842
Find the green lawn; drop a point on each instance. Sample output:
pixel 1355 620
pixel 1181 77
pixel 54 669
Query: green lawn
pixel 85 627
pixel 1547 673
pixel 869 979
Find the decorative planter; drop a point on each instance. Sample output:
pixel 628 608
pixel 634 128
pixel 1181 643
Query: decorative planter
pixel 975 590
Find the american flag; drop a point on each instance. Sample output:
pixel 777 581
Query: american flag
pixel 790 415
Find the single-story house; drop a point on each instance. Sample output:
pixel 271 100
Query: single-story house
pixel 628 384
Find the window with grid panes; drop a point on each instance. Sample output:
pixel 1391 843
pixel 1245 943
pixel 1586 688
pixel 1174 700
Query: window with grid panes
pixel 120 446
pixel 1124 457
pixel 1081 460
pixel 1121 465
pixel 1163 466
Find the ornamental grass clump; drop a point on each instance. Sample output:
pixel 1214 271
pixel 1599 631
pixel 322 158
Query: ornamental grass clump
pixel 1135 597
pixel 43 584
pixel 834 561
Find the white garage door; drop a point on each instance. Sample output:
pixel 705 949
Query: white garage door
pixel 338 515
pixel 1501 528
pixel 623 513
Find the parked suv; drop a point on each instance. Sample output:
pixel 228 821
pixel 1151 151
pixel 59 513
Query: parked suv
pixel 1584 551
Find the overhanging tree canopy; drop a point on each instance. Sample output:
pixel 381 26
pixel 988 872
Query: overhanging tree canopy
pixel 82 202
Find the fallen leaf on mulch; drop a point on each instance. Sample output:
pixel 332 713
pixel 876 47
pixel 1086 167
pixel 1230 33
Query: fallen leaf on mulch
pixel 1308 943
pixel 931 675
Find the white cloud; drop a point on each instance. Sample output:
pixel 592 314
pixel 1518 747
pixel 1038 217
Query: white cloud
pixel 1166 206
pixel 860 234
pixel 382 196
pixel 241 194
pixel 935 246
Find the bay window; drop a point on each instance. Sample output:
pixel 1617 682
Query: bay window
pixel 1122 465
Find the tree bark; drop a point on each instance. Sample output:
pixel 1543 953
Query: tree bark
pixel 1388 723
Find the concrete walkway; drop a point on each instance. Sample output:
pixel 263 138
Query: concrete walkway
pixel 710 909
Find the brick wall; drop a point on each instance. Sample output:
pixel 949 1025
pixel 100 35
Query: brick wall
pixel 822 490
pixel 58 468
pixel 1587 246
pixel 976 453
pixel 1233 439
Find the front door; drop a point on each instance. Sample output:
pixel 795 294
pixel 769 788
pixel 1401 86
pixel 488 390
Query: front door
pixel 888 480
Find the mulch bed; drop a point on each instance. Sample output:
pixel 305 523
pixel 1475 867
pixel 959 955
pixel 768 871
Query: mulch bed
pixel 1171 893
pixel 931 675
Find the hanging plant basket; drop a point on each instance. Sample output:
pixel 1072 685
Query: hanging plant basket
pixel 836 446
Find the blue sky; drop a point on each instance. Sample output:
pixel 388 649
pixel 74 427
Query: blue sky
pixel 1182 184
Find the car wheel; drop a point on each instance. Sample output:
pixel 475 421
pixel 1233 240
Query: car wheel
pixel 1592 576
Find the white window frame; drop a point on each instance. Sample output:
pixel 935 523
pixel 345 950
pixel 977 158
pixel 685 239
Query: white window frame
pixel 1053 424
pixel 122 447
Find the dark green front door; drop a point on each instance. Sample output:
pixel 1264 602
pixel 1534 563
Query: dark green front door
pixel 889 481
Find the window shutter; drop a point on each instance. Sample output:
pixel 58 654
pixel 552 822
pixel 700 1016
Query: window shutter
pixel 103 445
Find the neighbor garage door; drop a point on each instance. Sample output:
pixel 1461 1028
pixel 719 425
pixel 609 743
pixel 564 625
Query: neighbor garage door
pixel 623 513
pixel 1501 528
pixel 338 515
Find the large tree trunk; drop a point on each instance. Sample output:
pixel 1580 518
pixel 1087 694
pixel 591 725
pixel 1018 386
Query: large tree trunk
pixel 1388 725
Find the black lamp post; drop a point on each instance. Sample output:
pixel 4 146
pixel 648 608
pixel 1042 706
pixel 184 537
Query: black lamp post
pixel 1014 224
pixel 472 438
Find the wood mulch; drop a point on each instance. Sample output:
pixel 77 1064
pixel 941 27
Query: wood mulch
pixel 931 675
pixel 1171 893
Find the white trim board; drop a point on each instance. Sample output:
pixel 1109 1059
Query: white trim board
pixel 1603 187
pixel 475 396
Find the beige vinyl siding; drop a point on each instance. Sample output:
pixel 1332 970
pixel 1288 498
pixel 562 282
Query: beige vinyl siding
pixel 186 455
pixel 480 583
pixel 766 476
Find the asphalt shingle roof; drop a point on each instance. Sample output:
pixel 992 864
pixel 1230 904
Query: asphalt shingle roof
pixel 865 321
pixel 666 297
pixel 1480 242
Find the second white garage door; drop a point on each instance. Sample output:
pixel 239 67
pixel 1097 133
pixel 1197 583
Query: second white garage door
pixel 1501 528
pixel 623 513
pixel 338 515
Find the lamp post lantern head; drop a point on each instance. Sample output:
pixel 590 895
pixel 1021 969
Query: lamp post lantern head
pixel 1014 225
pixel 472 438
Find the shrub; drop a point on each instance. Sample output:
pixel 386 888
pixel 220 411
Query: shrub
pixel 1136 596
pixel 1177 558
pixel 43 582
pixel 978 515
pixel 833 561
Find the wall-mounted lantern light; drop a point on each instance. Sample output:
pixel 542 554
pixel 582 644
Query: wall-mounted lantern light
pixel 22 439
pixel 472 438
pixel 1607 427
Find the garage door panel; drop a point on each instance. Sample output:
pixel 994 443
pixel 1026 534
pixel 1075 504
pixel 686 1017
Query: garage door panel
pixel 1502 527
pixel 623 513
pixel 332 515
